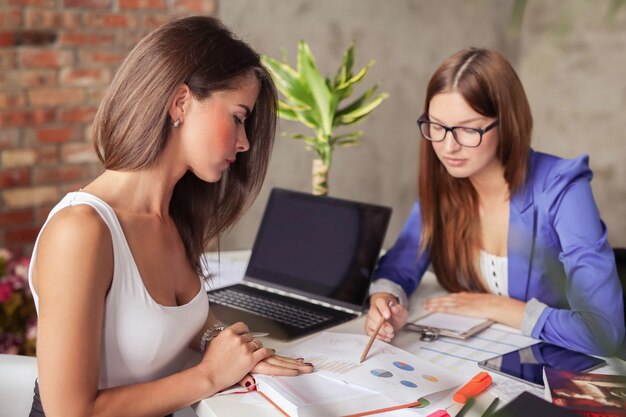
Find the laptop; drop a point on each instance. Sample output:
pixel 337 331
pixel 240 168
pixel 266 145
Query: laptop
pixel 310 266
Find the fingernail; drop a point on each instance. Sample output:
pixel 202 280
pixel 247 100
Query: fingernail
pixel 248 383
pixel 386 315
pixel 300 359
pixel 308 363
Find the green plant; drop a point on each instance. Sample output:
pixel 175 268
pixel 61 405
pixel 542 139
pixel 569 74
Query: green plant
pixel 315 101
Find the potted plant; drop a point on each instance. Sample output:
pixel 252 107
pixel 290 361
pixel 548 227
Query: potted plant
pixel 316 102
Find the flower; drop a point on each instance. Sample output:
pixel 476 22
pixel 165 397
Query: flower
pixel 18 317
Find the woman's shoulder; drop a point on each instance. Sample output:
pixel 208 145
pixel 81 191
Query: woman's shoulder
pixel 80 223
pixel 554 173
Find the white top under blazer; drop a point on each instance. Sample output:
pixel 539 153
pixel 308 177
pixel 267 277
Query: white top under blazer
pixel 142 340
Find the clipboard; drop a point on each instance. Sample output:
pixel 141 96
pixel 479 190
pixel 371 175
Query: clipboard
pixel 433 325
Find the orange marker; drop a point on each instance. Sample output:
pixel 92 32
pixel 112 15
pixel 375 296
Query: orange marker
pixel 475 386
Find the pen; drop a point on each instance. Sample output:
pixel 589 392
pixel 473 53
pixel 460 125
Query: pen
pixel 468 404
pixel 373 337
pixel 489 411
pixel 475 386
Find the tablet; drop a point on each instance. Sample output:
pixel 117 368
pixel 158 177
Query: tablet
pixel 526 364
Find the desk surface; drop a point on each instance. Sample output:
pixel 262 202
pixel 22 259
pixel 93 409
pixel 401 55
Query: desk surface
pixel 230 405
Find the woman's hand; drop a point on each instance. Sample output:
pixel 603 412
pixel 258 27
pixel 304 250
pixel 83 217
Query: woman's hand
pixel 384 306
pixel 498 308
pixel 231 355
pixel 282 365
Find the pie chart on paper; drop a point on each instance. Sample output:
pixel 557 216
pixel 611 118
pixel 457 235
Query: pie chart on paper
pixel 381 373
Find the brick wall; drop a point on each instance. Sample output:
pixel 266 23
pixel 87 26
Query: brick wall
pixel 56 59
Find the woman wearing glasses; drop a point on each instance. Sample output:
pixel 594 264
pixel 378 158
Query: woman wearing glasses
pixel 514 235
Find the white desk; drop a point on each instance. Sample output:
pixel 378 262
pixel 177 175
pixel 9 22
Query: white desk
pixel 232 405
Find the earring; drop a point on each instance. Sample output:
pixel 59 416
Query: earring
pixel 177 123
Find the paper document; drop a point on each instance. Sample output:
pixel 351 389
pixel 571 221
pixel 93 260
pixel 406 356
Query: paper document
pixel 312 395
pixel 389 370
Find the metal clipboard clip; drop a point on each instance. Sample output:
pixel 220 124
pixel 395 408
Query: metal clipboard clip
pixel 427 334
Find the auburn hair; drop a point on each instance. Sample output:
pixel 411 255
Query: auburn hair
pixel 450 220
pixel 131 126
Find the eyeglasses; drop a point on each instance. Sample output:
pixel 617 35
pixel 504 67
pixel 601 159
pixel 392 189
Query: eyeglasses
pixel 470 137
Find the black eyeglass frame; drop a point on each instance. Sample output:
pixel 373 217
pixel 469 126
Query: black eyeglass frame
pixel 424 119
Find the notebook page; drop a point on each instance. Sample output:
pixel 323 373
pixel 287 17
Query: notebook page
pixel 452 322
pixel 309 389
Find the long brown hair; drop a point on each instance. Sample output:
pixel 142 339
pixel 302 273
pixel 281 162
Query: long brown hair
pixel 449 206
pixel 131 126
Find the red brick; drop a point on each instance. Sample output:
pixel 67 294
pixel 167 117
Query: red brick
pixel 46 155
pixel 49 97
pixel 109 20
pixel 14 177
pixel 62 173
pixel 28 78
pixel 28 37
pixel 9 138
pixel 47 3
pixel 48 19
pixel 45 58
pixel 197 6
pixel 24 234
pixel 8 58
pixel 56 135
pixel 102 57
pixel 26 117
pixel 88 4
pixel 142 4
pixel 85 76
pixel 78 115
pixel 16 217
pixel 7 39
pixel 76 38
pixel 78 153
pixel 10 19
pixel 12 100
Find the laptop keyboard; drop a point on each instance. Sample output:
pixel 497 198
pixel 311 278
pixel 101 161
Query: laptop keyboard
pixel 282 312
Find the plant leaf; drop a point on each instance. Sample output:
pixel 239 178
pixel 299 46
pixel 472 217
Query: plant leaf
pixel 361 112
pixel 319 89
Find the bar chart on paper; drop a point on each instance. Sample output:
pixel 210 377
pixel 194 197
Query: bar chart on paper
pixel 323 363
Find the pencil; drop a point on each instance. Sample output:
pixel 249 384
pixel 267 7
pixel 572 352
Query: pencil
pixel 369 344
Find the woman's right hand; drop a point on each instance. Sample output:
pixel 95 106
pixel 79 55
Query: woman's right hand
pixel 385 306
pixel 231 355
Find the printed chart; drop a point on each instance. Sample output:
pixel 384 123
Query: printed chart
pixel 387 369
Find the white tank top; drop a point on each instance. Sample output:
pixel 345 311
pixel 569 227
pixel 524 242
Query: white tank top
pixel 142 340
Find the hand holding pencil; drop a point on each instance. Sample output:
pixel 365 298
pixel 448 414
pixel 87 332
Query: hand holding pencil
pixel 384 306
pixel 384 312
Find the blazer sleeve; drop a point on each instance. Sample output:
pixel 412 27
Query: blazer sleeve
pixel 403 264
pixel 594 321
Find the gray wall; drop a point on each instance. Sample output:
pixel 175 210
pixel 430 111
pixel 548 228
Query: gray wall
pixel 570 58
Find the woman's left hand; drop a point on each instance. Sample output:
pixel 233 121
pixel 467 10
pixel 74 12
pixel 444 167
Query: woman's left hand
pixel 495 307
pixel 277 365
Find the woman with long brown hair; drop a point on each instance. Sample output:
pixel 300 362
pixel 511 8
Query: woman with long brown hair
pixel 184 133
pixel 514 235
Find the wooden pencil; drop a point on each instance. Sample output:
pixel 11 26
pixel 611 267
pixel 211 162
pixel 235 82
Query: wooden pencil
pixel 371 341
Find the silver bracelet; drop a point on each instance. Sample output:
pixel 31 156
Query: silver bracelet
pixel 210 334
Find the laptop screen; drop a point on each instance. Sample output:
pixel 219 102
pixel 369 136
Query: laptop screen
pixel 318 245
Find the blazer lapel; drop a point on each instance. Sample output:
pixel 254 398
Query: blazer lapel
pixel 521 239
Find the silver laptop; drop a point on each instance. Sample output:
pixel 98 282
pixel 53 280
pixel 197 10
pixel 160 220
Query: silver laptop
pixel 310 265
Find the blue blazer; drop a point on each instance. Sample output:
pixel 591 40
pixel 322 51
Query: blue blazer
pixel 557 251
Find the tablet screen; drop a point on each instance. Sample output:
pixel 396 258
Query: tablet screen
pixel 527 363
